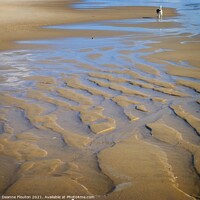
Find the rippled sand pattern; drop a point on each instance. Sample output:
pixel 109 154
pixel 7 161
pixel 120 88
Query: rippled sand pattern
pixel 110 117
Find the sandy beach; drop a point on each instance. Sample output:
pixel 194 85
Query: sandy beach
pixel 22 20
pixel 99 103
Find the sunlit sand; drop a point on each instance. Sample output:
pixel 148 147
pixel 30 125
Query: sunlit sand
pixel 99 102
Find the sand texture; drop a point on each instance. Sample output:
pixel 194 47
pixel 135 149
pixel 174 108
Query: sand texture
pixel 110 113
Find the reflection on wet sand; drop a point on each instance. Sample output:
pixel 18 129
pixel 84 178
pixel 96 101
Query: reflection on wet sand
pixel 117 118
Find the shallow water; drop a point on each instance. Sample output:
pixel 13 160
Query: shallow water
pixel 78 112
pixel 189 10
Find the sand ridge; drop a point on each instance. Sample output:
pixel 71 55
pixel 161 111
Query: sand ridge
pixel 100 117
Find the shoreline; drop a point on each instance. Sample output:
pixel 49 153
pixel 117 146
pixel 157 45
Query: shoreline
pixel 24 20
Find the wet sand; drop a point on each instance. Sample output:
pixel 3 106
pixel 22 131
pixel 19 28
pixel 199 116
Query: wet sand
pixel 110 113
pixel 21 20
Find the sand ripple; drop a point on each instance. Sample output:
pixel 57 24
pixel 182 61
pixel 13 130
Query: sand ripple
pixel 113 117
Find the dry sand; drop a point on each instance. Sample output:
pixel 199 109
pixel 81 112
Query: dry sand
pixel 122 131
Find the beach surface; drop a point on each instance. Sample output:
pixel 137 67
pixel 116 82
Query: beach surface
pixel 100 103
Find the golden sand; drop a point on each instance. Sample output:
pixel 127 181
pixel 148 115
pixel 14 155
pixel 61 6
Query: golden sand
pixel 119 131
